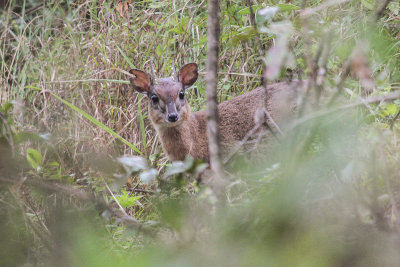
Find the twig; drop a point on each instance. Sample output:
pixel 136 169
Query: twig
pixel 242 142
pixel 122 71
pixel 125 216
pixel 28 11
pixel 130 75
pixel 369 100
pixel 235 74
pixel 33 9
pixel 91 80
pixel 264 79
pixel 141 191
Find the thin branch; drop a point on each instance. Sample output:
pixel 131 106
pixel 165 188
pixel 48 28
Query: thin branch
pixel 243 142
pixel 141 191
pixel 132 76
pixel 269 121
pixel 366 101
pixel 115 199
pixel 125 218
pixel 245 74
pixel 90 80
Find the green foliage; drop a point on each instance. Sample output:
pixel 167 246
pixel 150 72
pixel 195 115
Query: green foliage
pixel 326 195
pixel 34 158
pixel 127 200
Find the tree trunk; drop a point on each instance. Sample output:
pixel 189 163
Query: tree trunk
pixel 211 87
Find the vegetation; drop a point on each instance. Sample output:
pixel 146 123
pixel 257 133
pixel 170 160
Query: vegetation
pixel 83 179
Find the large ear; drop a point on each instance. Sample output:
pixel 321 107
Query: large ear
pixel 188 74
pixel 141 82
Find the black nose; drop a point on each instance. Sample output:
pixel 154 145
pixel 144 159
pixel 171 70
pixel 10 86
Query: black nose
pixel 173 117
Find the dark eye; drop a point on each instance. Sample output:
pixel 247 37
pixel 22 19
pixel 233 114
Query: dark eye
pixel 181 94
pixel 154 98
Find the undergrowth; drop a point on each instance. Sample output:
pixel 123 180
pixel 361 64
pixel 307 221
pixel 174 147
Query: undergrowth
pixel 84 181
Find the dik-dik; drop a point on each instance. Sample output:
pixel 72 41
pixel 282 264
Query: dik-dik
pixel 184 133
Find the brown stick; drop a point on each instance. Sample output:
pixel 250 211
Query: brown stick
pixel 211 86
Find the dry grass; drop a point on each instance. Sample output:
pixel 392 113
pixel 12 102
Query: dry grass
pixel 334 178
pixel 89 42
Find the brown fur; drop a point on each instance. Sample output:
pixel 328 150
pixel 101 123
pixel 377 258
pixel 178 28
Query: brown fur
pixel 188 135
pixel 236 120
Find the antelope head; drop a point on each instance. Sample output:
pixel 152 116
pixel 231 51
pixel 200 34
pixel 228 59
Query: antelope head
pixel 168 105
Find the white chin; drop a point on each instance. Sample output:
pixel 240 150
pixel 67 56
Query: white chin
pixel 172 124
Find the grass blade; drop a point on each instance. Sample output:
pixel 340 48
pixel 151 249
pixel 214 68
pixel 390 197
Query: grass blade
pixel 97 123
pixel 141 122
pixel 126 58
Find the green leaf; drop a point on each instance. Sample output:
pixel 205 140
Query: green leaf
pixel 126 58
pixel 53 163
pixel 127 201
pixel 288 7
pixel 34 158
pixel 391 109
